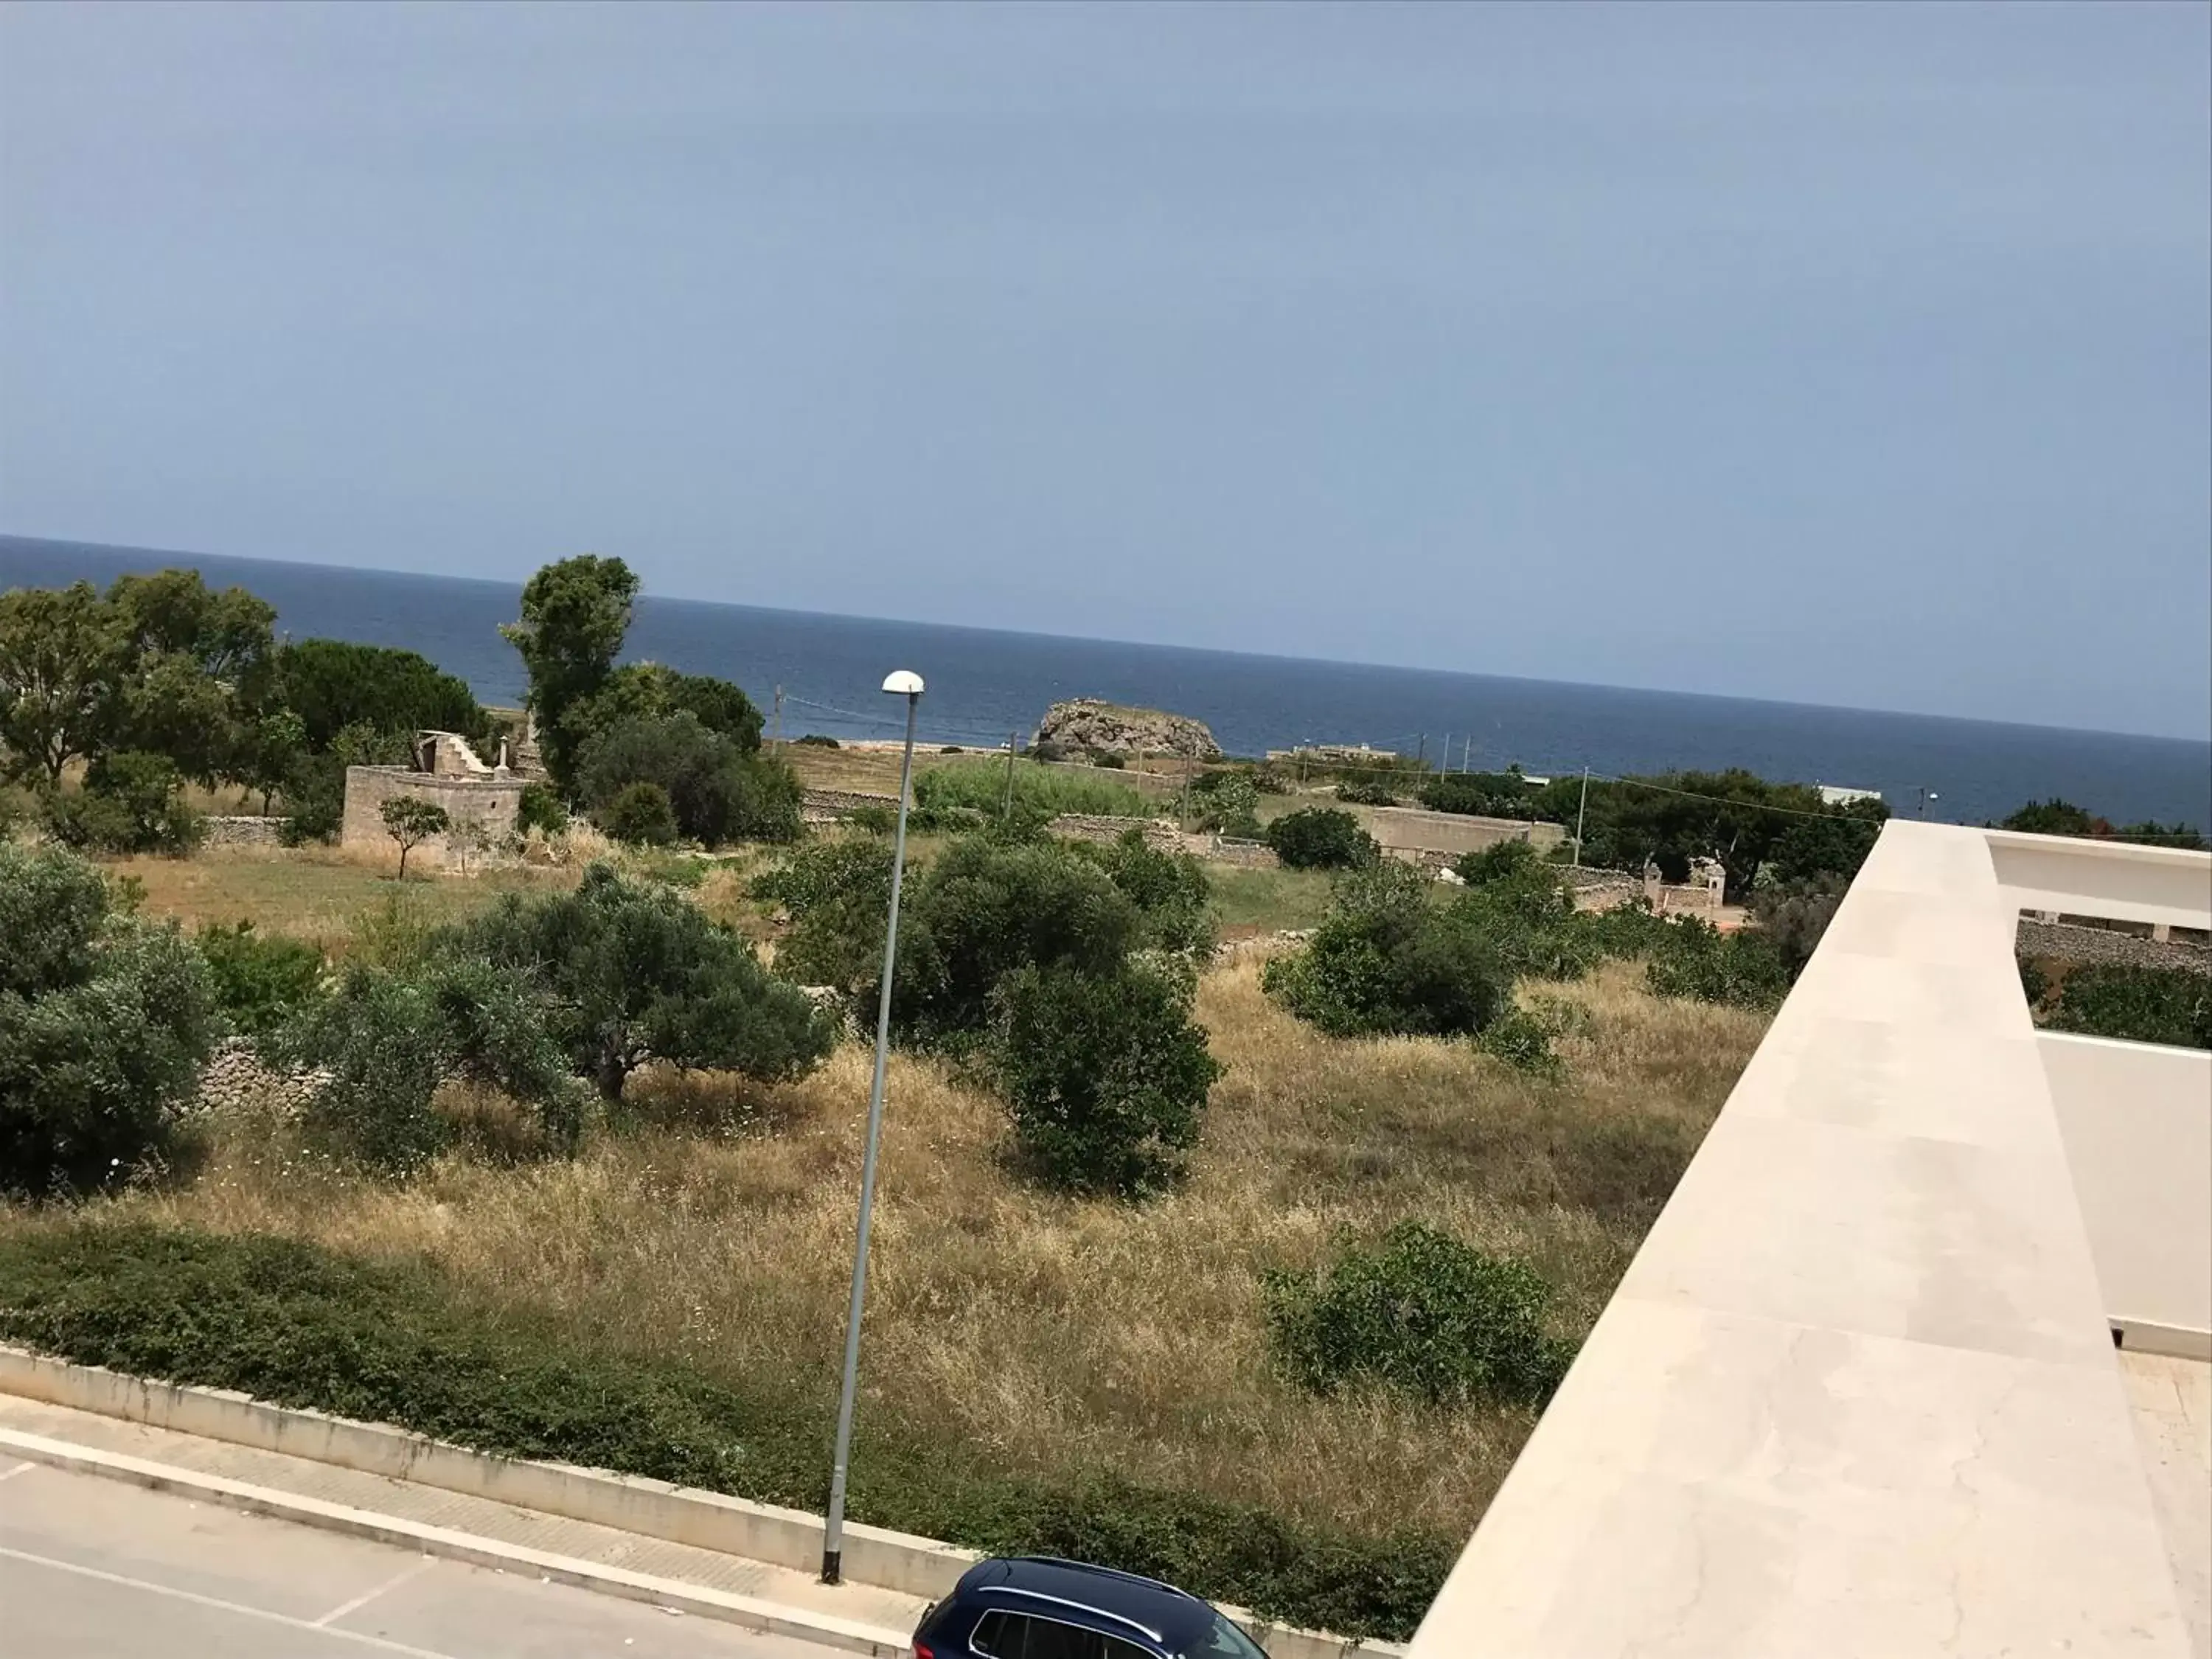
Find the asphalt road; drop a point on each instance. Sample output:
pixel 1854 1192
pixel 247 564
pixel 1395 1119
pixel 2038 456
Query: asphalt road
pixel 97 1569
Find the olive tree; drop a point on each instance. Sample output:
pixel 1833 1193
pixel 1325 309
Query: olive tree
pixel 633 971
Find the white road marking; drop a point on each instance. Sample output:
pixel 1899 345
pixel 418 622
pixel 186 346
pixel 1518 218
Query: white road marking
pixel 221 1606
pixel 11 1474
pixel 416 1570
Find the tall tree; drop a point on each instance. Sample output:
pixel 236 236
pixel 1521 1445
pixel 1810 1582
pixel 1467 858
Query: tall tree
pixel 574 614
pixel 60 649
pixel 195 668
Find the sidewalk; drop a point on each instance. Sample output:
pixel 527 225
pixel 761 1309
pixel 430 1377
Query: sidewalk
pixel 706 1583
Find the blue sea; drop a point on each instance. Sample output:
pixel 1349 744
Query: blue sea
pixel 985 684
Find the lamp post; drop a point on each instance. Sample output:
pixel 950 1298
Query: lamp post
pixel 906 684
pixel 1927 795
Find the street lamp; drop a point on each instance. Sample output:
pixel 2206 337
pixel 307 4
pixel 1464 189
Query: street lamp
pixel 1927 795
pixel 902 683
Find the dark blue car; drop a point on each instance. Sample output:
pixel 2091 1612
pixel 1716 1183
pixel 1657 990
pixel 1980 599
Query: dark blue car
pixel 1030 1607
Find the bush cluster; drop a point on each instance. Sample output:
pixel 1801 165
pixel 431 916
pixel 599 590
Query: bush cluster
pixel 259 981
pixel 1105 1074
pixel 104 1023
pixel 131 802
pixel 1741 970
pixel 2139 1004
pixel 1321 838
pixel 715 791
pixel 1386 960
pixel 1481 794
pixel 1421 1311
pixel 1362 792
pixel 1019 952
pixel 395 1342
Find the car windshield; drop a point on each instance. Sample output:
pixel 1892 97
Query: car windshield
pixel 1223 1641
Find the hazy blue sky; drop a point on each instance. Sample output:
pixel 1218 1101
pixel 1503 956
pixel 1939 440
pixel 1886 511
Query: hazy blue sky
pixel 1858 354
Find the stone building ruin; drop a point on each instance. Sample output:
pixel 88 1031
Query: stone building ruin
pixel 483 801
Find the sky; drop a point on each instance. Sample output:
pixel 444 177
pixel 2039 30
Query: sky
pixel 1857 355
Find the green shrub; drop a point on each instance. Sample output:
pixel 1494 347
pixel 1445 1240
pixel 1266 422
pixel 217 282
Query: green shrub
pixel 984 908
pixel 1388 961
pixel 628 971
pixel 1523 1041
pixel 1173 897
pixel 131 802
pixel 718 792
pixel 395 1341
pixel 836 892
pixel 1481 794
pixel 540 809
pixel 1360 792
pixel 387 1039
pixel 1228 803
pixel 1422 1312
pixel 980 785
pixel 1627 930
pixel 1105 760
pixel 640 813
pixel 1500 861
pixel 1105 1074
pixel 2034 982
pixel 1321 838
pixel 104 1022
pixel 2139 1004
pixel 259 981
pixel 1698 961
pixel 816 740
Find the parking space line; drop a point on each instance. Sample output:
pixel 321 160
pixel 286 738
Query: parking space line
pixel 413 1570
pixel 221 1605
pixel 10 1475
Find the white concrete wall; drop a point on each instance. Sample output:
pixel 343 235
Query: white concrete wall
pixel 2137 1122
pixel 1856 1397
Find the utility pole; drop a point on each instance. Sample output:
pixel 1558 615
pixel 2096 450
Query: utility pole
pixel 1446 765
pixel 1421 755
pixel 779 718
pixel 1466 754
pixel 1581 808
pixel 1007 811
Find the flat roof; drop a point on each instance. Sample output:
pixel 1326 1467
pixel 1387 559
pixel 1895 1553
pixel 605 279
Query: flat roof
pixel 1858 1393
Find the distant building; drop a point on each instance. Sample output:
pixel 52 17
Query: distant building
pixel 1834 794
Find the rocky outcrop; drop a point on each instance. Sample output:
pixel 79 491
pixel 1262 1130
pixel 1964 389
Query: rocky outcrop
pixel 1113 728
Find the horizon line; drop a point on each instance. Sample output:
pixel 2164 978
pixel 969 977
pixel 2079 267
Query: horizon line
pixel 515 584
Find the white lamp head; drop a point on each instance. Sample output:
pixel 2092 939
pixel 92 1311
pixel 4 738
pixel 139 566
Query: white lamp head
pixel 902 682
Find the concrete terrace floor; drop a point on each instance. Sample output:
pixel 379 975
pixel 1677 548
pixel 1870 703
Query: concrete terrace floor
pixel 2172 1400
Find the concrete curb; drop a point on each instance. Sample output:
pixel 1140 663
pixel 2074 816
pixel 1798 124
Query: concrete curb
pixel 767 1617
pixel 654 1509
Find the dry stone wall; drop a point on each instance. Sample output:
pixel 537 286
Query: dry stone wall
pixel 236 1078
pixel 2062 942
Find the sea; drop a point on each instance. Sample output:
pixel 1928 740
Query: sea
pixel 986 685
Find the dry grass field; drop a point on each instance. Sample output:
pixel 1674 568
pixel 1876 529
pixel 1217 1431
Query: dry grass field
pixel 1048 1334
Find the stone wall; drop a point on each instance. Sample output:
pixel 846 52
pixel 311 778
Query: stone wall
pixel 1407 830
pixel 1084 826
pixel 235 1079
pixel 242 830
pixel 491 804
pixel 1228 849
pixel 830 806
pixel 2062 942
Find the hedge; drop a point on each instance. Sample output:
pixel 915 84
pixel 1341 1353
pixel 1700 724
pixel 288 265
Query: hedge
pixel 397 1340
